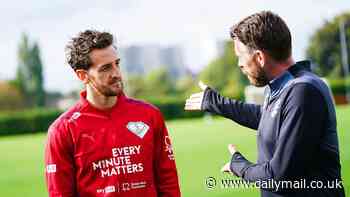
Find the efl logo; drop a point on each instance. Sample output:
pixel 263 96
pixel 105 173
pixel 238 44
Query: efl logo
pixel 51 168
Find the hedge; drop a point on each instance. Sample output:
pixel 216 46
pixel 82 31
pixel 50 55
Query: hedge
pixel 27 121
pixel 172 107
pixel 38 120
pixel 339 86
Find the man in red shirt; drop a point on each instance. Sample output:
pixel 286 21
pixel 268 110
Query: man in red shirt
pixel 107 144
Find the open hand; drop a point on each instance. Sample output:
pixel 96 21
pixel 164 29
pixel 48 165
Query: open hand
pixel 196 99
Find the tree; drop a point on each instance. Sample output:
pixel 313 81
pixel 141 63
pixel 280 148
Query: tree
pixel 158 83
pixel 324 48
pixel 37 77
pixel 186 85
pixel 224 75
pixel 10 97
pixel 134 85
pixel 29 77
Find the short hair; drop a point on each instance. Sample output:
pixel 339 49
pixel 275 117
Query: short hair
pixel 265 31
pixel 79 47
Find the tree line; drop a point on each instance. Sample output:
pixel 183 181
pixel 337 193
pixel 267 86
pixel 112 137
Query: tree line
pixel 222 73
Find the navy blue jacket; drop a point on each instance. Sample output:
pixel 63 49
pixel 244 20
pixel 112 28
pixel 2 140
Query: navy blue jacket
pixel 297 134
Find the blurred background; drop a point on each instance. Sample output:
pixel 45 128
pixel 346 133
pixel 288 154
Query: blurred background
pixel 166 47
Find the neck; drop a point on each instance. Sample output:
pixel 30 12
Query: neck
pixel 98 100
pixel 277 68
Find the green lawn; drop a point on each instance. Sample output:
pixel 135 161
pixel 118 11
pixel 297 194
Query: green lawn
pixel 200 147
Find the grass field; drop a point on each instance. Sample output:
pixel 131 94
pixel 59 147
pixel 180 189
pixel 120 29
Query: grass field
pixel 200 147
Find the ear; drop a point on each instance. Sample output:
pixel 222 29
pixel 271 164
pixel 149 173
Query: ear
pixel 82 75
pixel 261 57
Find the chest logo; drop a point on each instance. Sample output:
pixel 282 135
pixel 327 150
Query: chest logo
pixel 138 128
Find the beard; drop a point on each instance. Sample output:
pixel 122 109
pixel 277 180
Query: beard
pixel 258 78
pixel 114 88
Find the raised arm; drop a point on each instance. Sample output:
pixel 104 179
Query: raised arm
pixel 210 100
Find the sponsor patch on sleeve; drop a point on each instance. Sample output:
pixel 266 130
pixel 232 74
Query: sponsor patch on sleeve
pixel 51 168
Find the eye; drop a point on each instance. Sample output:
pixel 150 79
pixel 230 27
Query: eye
pixel 117 62
pixel 105 68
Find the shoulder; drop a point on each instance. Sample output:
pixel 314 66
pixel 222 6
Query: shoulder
pixel 304 90
pixel 305 95
pixel 145 110
pixel 308 80
pixel 306 86
pixel 141 104
pixel 60 124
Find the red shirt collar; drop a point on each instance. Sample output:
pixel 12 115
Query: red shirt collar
pixel 85 105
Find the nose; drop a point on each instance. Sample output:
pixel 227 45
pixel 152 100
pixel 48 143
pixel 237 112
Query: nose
pixel 241 66
pixel 116 71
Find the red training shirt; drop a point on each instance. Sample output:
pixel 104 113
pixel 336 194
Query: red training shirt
pixel 124 151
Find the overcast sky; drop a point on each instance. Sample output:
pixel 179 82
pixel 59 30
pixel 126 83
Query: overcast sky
pixel 196 25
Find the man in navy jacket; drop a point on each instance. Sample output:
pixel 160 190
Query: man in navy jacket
pixel 297 134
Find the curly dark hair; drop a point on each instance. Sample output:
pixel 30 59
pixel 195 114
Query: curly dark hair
pixel 79 47
pixel 265 31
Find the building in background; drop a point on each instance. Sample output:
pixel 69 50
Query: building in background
pixel 137 60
